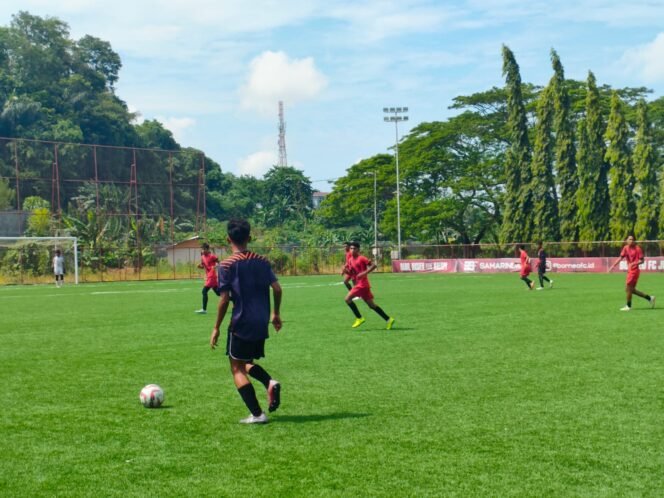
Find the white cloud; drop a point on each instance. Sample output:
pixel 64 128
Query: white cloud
pixel 647 60
pixel 257 164
pixel 273 76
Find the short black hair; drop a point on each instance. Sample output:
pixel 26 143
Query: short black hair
pixel 522 246
pixel 238 231
pixel 354 243
pixel 205 246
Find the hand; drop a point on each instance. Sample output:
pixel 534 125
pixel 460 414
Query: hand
pixel 214 338
pixel 276 322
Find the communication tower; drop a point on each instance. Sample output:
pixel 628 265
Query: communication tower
pixel 283 161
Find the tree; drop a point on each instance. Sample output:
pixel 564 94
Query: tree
pixel 153 135
pixel 6 194
pixel 647 203
pixel 545 206
pixel 593 192
pixel 621 187
pixel 98 56
pixel 288 195
pixel 39 222
pixel 564 153
pixel 350 204
pixel 518 204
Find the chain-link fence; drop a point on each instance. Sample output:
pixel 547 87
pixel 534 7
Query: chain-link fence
pixel 115 262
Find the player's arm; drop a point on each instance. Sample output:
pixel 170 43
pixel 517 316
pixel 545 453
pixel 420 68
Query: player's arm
pixel 371 266
pixel 276 306
pixel 222 308
pixel 616 262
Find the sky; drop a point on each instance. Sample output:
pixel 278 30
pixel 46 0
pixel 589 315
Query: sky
pixel 213 71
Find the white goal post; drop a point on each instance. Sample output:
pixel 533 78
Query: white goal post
pixel 68 246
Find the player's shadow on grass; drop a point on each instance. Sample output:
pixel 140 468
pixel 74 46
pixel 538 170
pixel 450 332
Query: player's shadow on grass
pixel 301 419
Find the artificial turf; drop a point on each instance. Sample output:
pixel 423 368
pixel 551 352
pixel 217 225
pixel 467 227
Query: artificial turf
pixel 483 388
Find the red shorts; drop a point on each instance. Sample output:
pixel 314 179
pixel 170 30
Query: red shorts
pixel 632 278
pixel 525 273
pixel 362 292
pixel 211 282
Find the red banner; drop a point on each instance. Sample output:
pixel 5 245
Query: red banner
pixel 424 265
pixel 510 265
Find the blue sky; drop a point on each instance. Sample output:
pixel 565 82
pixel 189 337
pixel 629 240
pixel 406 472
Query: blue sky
pixel 213 71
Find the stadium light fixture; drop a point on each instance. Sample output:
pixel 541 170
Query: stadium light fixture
pixel 395 115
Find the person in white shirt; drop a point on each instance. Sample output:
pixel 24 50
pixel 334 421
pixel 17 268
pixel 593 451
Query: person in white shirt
pixel 58 268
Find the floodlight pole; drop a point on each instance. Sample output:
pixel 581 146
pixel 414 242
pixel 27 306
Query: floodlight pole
pixel 396 114
pixel 375 251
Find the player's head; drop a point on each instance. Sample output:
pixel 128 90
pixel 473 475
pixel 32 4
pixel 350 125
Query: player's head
pixel 521 247
pixel 239 231
pixel 205 247
pixel 347 245
pixel 630 240
pixel 540 244
pixel 354 246
pixel 57 252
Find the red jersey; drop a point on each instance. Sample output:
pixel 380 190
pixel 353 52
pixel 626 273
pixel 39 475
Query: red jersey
pixel 209 262
pixel 525 266
pixel 632 255
pixel 349 256
pixel 359 265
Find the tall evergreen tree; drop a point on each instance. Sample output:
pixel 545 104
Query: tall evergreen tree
pixel 564 152
pixel 545 206
pixel 593 193
pixel 645 171
pixel 621 174
pixel 517 213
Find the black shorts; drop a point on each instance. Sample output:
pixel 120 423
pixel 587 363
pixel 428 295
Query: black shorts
pixel 239 349
pixel 541 271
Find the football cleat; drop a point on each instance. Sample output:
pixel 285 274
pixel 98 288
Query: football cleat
pixel 252 419
pixel 358 322
pixel 390 323
pixel 274 395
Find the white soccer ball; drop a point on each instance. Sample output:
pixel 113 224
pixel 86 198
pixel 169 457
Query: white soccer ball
pixel 152 396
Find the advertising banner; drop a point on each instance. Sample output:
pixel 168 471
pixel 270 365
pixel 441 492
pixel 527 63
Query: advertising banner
pixel 512 265
pixel 424 265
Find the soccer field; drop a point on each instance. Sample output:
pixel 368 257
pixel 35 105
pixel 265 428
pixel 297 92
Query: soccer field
pixel 482 389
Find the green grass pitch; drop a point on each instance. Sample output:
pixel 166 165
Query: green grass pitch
pixel 483 388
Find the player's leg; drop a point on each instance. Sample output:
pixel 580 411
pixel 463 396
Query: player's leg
pixel 245 388
pixel 205 291
pixel 272 386
pixel 372 304
pixel 647 297
pixel 629 290
pixel 349 301
pixel 347 281
pixel 527 281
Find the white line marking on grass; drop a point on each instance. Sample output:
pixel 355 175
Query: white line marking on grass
pixel 151 291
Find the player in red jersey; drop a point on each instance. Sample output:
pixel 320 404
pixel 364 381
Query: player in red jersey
pixel 345 270
pixel 633 254
pixel 360 267
pixel 525 266
pixel 209 263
